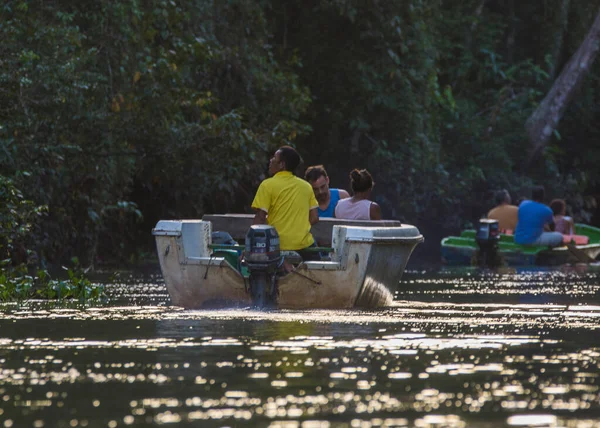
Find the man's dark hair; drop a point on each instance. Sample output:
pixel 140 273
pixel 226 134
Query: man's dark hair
pixel 501 196
pixel 538 193
pixel 313 173
pixel 290 156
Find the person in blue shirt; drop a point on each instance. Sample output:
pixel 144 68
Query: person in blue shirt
pixel 327 198
pixel 534 216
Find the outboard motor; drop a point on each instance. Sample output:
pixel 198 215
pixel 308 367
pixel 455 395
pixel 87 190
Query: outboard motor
pixel 263 259
pixel 487 237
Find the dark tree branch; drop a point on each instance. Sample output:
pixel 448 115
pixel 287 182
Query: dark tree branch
pixel 543 122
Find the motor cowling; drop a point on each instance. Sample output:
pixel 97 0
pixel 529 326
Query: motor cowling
pixel 487 237
pixel 488 232
pixel 262 244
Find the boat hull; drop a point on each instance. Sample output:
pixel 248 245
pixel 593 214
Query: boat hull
pixel 365 268
pixel 461 250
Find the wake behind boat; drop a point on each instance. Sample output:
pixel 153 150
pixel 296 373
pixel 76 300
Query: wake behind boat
pixel 367 260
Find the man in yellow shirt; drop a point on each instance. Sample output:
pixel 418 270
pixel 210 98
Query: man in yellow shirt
pixel 287 203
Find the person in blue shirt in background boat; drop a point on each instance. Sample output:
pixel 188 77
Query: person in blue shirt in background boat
pixel 534 217
pixel 327 198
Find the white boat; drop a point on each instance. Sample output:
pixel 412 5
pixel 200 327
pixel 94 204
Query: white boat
pixel 366 263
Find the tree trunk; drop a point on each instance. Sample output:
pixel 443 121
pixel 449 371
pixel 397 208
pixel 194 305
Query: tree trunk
pixel 478 13
pixel 510 39
pixel 562 25
pixel 544 120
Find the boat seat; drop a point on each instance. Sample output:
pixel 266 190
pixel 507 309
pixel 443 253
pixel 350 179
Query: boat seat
pixel 577 239
pixel 322 265
pixel 292 257
pixel 238 224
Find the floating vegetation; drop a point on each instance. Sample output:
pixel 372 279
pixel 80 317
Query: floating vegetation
pixel 19 284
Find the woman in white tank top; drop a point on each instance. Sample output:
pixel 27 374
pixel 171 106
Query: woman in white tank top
pixel 359 207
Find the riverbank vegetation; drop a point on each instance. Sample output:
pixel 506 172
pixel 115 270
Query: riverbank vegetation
pixel 117 114
pixel 18 283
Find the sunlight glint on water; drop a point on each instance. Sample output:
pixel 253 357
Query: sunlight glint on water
pixel 455 349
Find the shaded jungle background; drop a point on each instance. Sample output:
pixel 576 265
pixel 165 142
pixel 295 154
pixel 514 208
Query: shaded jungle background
pixel 114 115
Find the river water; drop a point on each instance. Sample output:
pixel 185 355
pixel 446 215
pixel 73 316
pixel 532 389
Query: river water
pixel 458 348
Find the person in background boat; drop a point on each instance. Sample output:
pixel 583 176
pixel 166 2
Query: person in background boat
pixel 327 197
pixel 506 213
pixel 534 217
pixel 287 203
pixel 564 224
pixel 359 207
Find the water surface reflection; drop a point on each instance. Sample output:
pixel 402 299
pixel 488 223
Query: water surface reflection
pixel 458 348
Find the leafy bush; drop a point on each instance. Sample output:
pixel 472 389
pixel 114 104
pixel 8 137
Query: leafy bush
pixel 18 284
pixel 18 217
pixel 126 112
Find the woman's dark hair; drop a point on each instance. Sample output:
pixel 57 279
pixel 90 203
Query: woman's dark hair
pixel 360 181
pixel 291 158
pixel 557 206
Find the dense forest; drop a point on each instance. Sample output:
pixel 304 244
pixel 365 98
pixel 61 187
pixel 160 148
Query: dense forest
pixel 116 114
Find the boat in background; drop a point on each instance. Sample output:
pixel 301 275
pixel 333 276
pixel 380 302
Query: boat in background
pixel 461 250
pixel 367 260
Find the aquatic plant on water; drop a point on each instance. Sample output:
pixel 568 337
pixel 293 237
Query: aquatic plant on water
pixel 18 284
pixel 14 285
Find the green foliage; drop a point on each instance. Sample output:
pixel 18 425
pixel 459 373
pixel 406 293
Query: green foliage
pixel 15 284
pixel 77 286
pixel 173 106
pixel 18 284
pixel 125 112
pixel 18 217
